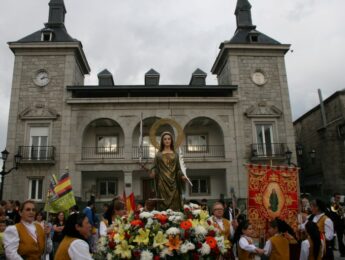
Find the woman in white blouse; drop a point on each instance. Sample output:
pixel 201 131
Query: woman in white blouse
pixel 311 247
pixel 74 245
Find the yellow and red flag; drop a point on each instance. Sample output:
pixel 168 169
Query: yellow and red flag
pixel 60 194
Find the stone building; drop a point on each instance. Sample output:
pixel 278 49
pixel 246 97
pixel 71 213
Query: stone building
pixel 321 142
pixel 56 121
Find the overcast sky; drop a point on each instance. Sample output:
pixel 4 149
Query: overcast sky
pixel 128 37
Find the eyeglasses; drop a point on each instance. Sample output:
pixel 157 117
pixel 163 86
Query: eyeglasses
pixel 218 209
pixel 30 209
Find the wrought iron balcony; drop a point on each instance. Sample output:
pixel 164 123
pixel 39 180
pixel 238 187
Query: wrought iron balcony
pixel 262 150
pixel 102 153
pixel 37 153
pixel 189 151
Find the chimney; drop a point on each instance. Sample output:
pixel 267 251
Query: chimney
pixel 198 78
pixel 152 78
pixel 105 78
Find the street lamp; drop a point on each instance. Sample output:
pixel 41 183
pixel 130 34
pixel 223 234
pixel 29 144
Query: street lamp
pixel 4 156
pixel 299 149
pixel 288 155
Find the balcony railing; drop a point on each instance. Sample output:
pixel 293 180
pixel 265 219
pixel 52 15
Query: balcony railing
pixel 102 153
pixel 268 150
pixel 189 151
pixel 37 153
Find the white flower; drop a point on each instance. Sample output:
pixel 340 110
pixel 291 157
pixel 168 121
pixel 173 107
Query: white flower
pixel 187 246
pixel 205 249
pixel 109 256
pixel 146 255
pixel 173 231
pixel 186 207
pixel 149 223
pixel 165 252
pixel 200 231
pixel 220 244
pixel 145 215
pixel 196 212
pixel 194 206
pixel 175 219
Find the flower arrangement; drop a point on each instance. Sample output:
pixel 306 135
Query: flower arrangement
pixel 164 235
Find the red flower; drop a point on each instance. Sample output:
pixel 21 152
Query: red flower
pixel 163 219
pixel 187 210
pixel 211 233
pixel 198 245
pixel 156 257
pixel 209 222
pixel 136 253
pixel 127 236
pixel 186 225
pixel 111 244
pixel 136 222
pixel 212 242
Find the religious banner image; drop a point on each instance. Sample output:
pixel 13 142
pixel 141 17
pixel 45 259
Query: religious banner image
pixel 272 192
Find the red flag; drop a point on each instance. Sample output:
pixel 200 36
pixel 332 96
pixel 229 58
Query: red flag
pixel 130 203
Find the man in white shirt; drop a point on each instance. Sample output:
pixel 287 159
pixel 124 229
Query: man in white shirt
pixel 26 239
pixel 325 225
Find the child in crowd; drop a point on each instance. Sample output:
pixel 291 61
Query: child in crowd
pixel 311 247
pixel 278 246
pixel 245 246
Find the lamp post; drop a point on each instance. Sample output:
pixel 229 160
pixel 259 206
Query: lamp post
pixel 4 156
pixel 288 155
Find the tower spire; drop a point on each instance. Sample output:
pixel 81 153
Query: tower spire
pixel 244 15
pixel 57 11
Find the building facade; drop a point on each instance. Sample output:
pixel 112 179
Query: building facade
pixel 56 121
pixel 321 140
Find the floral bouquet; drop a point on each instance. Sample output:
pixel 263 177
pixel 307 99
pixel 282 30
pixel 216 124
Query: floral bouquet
pixel 164 235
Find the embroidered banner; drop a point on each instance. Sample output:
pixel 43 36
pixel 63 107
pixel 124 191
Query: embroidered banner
pixel 272 192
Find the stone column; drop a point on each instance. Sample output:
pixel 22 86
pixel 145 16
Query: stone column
pixel 128 182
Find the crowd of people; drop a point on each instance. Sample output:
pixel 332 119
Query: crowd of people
pixel 26 233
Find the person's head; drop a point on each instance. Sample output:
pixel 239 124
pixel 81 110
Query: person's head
pixel 244 228
pixel 273 227
pixel 90 203
pixel 166 141
pixel 2 225
pixel 218 209
pixel 314 234
pixel 27 211
pixel 139 206
pixel 150 205
pixel 119 208
pixel 105 207
pixel 40 216
pixel 60 217
pixel 337 197
pixel 317 207
pixel 74 209
pixel 229 204
pixel 77 226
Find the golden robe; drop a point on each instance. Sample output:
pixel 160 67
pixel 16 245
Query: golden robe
pixel 168 181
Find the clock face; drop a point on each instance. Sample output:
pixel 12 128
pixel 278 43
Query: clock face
pixel 259 78
pixel 41 78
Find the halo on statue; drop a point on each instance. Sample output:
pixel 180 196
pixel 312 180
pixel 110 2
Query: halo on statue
pixel 166 121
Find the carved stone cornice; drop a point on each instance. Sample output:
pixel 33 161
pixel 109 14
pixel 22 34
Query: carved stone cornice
pixel 38 112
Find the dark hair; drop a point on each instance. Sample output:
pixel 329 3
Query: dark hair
pixel 320 204
pixel 161 148
pixel 239 231
pixel 57 220
pixel 72 221
pixel 282 226
pixel 314 234
pixel 42 214
pixel 336 194
pixel 90 203
pixel 26 202
pixel 115 205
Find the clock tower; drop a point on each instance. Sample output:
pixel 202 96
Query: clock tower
pixel 255 63
pixel 46 61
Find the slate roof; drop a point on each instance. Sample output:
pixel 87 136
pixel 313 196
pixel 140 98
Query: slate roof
pixel 243 36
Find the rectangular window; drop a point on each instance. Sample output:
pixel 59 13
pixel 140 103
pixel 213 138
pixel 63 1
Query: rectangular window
pixel 107 188
pixel 107 144
pixel 201 186
pixel 264 138
pixel 197 143
pixel 38 143
pixel 36 189
pixel 149 151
